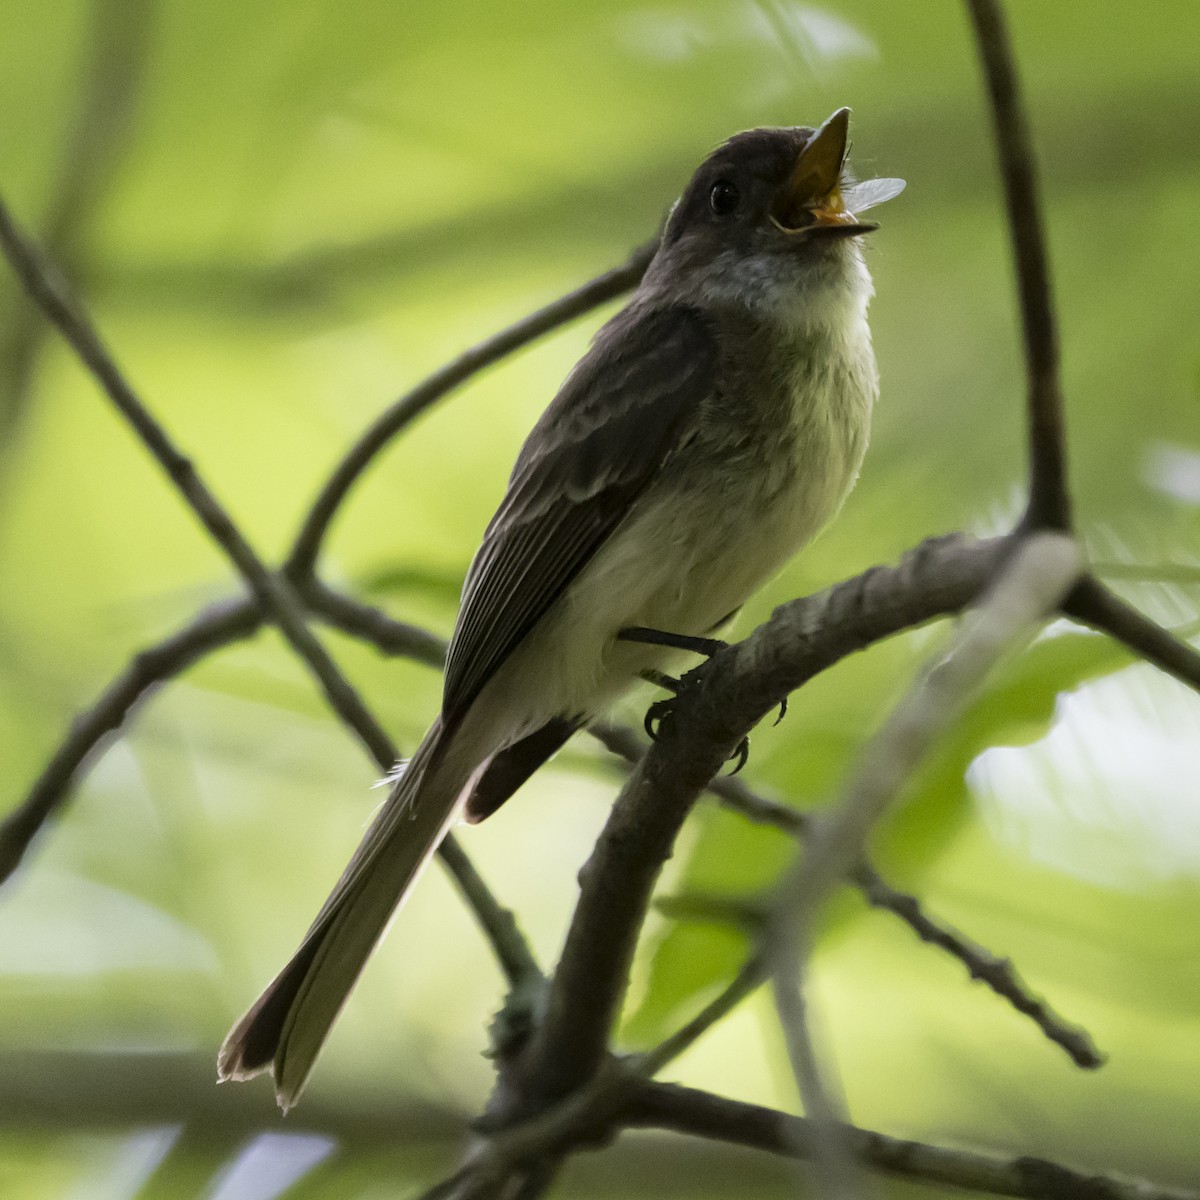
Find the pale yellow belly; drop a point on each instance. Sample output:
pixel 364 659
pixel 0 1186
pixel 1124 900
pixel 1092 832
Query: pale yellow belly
pixel 678 566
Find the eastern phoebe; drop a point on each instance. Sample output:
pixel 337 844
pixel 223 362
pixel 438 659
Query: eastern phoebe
pixel 713 427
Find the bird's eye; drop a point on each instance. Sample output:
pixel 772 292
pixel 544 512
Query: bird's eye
pixel 724 197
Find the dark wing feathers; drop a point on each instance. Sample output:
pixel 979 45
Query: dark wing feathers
pixel 589 457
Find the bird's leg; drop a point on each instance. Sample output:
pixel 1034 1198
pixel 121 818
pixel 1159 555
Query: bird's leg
pixel 661 710
pixel 668 683
pixel 676 641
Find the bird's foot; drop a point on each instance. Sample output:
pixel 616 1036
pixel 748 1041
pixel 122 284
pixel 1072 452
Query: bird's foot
pixel 662 711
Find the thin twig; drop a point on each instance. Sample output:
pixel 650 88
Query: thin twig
pixel 1049 505
pixel 982 965
pixel 1030 587
pixel 499 923
pixel 702 1114
pixel 819 1087
pixel 215 627
pixel 995 972
pixel 272 593
pixel 302 560
pixel 218 626
pixel 1100 608
pixel 373 626
pixel 748 979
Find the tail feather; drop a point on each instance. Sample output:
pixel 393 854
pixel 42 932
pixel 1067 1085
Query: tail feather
pixel 284 1029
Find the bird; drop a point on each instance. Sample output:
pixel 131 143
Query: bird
pixel 715 425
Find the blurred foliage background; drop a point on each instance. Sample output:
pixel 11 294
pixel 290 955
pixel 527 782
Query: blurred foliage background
pixel 286 213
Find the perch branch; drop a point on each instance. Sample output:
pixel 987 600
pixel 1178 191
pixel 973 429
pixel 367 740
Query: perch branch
pixel 740 685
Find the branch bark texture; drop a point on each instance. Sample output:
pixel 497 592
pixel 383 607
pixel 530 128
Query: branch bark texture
pixel 717 706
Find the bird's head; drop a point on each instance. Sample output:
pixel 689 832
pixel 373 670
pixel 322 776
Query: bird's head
pixel 772 216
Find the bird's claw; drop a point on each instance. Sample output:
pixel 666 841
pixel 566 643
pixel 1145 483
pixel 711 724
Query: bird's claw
pixel 742 754
pixel 661 711
pixel 657 716
pixel 658 713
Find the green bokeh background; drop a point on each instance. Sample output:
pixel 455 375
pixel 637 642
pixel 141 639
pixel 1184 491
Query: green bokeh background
pixel 310 205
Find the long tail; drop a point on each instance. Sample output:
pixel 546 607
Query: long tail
pixel 285 1028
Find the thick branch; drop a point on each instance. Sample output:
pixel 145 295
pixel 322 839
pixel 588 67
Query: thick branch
pixel 741 685
pixel 701 1114
pixel 1049 502
pixel 603 288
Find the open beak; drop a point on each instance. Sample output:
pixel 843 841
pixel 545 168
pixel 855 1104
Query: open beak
pixel 812 199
